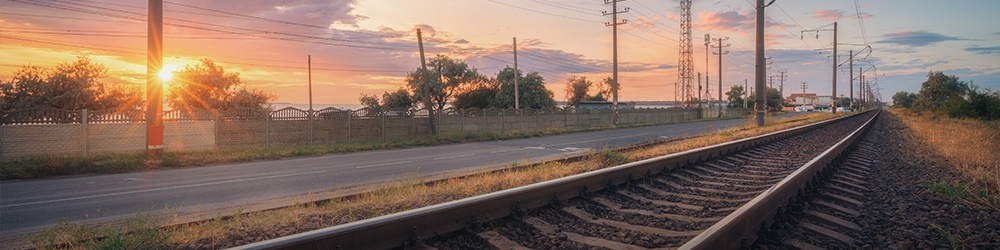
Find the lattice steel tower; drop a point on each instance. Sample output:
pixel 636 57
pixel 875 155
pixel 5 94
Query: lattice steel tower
pixel 686 65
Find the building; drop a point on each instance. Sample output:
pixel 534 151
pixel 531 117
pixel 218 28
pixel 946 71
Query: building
pixel 801 99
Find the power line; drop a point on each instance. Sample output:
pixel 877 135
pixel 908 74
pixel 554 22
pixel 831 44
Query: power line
pixel 541 12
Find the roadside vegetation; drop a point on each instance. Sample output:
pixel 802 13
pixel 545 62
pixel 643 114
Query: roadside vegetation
pixel 413 192
pixel 968 146
pixel 961 123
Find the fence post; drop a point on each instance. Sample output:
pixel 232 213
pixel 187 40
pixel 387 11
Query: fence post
pixel 217 117
pixel 503 121
pixel 485 128
pixel 312 141
pixel 413 124
pixel 267 130
pixel 349 115
pixel 382 122
pixel 83 131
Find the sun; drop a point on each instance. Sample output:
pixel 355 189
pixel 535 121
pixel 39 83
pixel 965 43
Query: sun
pixel 165 75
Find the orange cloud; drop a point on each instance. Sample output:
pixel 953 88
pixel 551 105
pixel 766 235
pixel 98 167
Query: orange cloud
pixel 730 21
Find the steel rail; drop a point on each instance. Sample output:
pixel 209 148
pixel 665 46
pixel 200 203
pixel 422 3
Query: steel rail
pixel 405 228
pixel 746 221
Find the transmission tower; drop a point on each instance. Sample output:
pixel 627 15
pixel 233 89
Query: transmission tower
pixel 686 70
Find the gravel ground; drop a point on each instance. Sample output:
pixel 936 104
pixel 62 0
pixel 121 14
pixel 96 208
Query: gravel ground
pixel 899 211
pixel 902 213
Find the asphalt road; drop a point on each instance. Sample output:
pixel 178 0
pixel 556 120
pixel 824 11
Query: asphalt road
pixel 205 192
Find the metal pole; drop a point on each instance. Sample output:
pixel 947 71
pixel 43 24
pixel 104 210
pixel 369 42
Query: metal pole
pixel 760 64
pixel 517 98
pixel 833 97
pixel 720 71
pixel 427 89
pixel 154 86
pixel 851 80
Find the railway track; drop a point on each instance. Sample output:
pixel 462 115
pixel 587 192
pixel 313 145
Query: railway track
pixel 717 197
pixel 824 215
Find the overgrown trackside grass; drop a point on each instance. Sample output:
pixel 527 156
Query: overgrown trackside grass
pixel 48 166
pixel 971 147
pixel 414 192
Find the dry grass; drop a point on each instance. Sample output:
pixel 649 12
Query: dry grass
pixel 414 192
pixel 971 147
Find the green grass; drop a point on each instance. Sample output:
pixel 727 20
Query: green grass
pixel 56 165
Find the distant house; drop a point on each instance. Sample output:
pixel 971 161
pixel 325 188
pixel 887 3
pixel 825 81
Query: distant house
pixel 603 105
pixel 802 99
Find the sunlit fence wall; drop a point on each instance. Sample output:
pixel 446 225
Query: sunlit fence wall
pixel 48 131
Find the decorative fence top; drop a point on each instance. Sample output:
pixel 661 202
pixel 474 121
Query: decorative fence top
pixel 48 115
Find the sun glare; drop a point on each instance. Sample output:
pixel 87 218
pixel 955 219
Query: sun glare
pixel 165 75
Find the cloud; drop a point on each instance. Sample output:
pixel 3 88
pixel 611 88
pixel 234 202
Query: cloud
pixel 983 50
pixel 834 15
pixel 916 38
pixel 726 21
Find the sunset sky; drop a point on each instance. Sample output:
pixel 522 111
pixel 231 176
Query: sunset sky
pixel 368 46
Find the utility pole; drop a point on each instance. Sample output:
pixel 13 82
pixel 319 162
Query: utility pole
pixel 804 84
pixel 614 35
pixel 427 85
pixel 850 83
pixel 708 41
pixel 699 91
pixel 154 85
pixel 720 53
pixel 309 61
pixel 685 60
pixel 760 63
pixel 517 98
pixel 746 92
pixel 833 97
pixel 781 85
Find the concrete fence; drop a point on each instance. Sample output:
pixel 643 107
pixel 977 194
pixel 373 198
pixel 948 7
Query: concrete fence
pixel 48 131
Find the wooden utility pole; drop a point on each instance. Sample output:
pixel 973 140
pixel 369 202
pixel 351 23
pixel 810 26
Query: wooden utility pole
pixel 517 98
pixel 614 36
pixel 154 85
pixel 309 61
pixel 720 53
pixel 426 84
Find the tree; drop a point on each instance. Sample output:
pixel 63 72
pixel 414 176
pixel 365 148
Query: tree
pixel 903 99
pixel 939 88
pixel 843 102
pixel 370 102
pixel 576 90
pixel 73 85
pixel 532 91
pixel 444 76
pixel 480 93
pixel 208 86
pixel 773 99
pixel 398 100
pixel 605 91
pixel 735 96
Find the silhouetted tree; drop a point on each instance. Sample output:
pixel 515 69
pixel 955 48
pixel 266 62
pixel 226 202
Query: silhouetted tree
pixel 207 85
pixel 76 85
